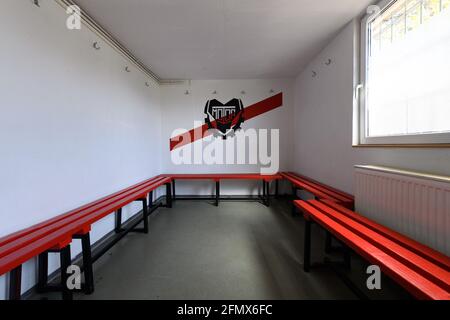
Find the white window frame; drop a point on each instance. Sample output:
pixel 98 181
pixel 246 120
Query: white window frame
pixel 425 139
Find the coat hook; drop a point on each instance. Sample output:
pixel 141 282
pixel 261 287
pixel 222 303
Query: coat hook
pixel 127 69
pixel 96 46
pixel 328 62
pixel 187 92
pixel 314 74
pixel 36 3
pixel 215 92
pixel 147 84
pixel 272 91
pixel 243 92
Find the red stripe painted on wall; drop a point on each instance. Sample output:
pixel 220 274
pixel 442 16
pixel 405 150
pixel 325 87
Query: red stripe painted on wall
pixel 250 112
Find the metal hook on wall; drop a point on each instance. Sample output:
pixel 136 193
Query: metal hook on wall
pixel 96 46
pixel 127 69
pixel 328 62
pixel 36 3
pixel 314 74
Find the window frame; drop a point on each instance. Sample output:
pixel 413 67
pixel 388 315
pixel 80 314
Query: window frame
pixel 407 140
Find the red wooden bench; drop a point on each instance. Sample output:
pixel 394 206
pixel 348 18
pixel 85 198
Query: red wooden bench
pixel 217 177
pixel 422 271
pixel 56 234
pixel 319 190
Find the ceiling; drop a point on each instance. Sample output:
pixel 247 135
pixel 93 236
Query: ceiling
pixel 223 39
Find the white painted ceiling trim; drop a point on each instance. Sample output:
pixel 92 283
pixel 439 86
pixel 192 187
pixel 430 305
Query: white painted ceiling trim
pixel 97 29
pixel 170 41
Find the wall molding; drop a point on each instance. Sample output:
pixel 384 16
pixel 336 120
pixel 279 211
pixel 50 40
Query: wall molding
pixel 97 29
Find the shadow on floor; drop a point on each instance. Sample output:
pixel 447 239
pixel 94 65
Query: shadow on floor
pixel 240 250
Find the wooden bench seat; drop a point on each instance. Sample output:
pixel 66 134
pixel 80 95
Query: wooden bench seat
pixel 319 190
pixel 56 234
pixel 13 242
pixel 423 277
pixel 217 177
pixel 21 233
pixel 428 253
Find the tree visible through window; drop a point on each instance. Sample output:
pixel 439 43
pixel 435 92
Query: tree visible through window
pixel 407 70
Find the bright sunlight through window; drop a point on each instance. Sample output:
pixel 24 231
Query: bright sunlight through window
pixel 407 73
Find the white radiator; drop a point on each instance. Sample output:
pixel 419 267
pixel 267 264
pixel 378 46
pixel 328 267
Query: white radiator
pixel 415 204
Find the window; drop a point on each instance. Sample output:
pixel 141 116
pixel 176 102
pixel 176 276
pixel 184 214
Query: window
pixel 405 72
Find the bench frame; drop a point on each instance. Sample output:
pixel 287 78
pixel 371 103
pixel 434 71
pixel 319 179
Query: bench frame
pixel 319 190
pixel 266 181
pixel 63 247
pixel 428 286
pixel 325 195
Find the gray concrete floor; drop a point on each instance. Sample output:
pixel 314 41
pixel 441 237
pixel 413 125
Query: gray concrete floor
pixel 240 250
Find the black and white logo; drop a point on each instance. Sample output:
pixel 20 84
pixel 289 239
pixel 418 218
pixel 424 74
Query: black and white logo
pixel 226 118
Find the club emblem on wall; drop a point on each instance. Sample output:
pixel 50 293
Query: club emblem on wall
pixel 224 119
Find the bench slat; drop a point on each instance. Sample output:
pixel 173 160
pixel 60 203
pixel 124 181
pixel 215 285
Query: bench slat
pixel 427 268
pixel 25 253
pixel 437 257
pixel 316 192
pixel 317 186
pixel 97 211
pixel 21 233
pixel 415 283
pixel 317 183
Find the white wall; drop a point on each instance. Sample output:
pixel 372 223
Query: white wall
pixel 74 126
pixel 181 111
pixel 323 123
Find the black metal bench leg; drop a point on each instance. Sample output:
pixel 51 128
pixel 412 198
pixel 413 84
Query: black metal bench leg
pixel 294 197
pixel 150 199
pixel 15 283
pixel 145 214
pixel 277 186
pixel 268 194
pixel 174 197
pixel 66 261
pixel 118 218
pixel 168 196
pixel 217 193
pixel 263 192
pixel 87 264
pixel 347 258
pixel 328 242
pixel 307 247
pixel 42 272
